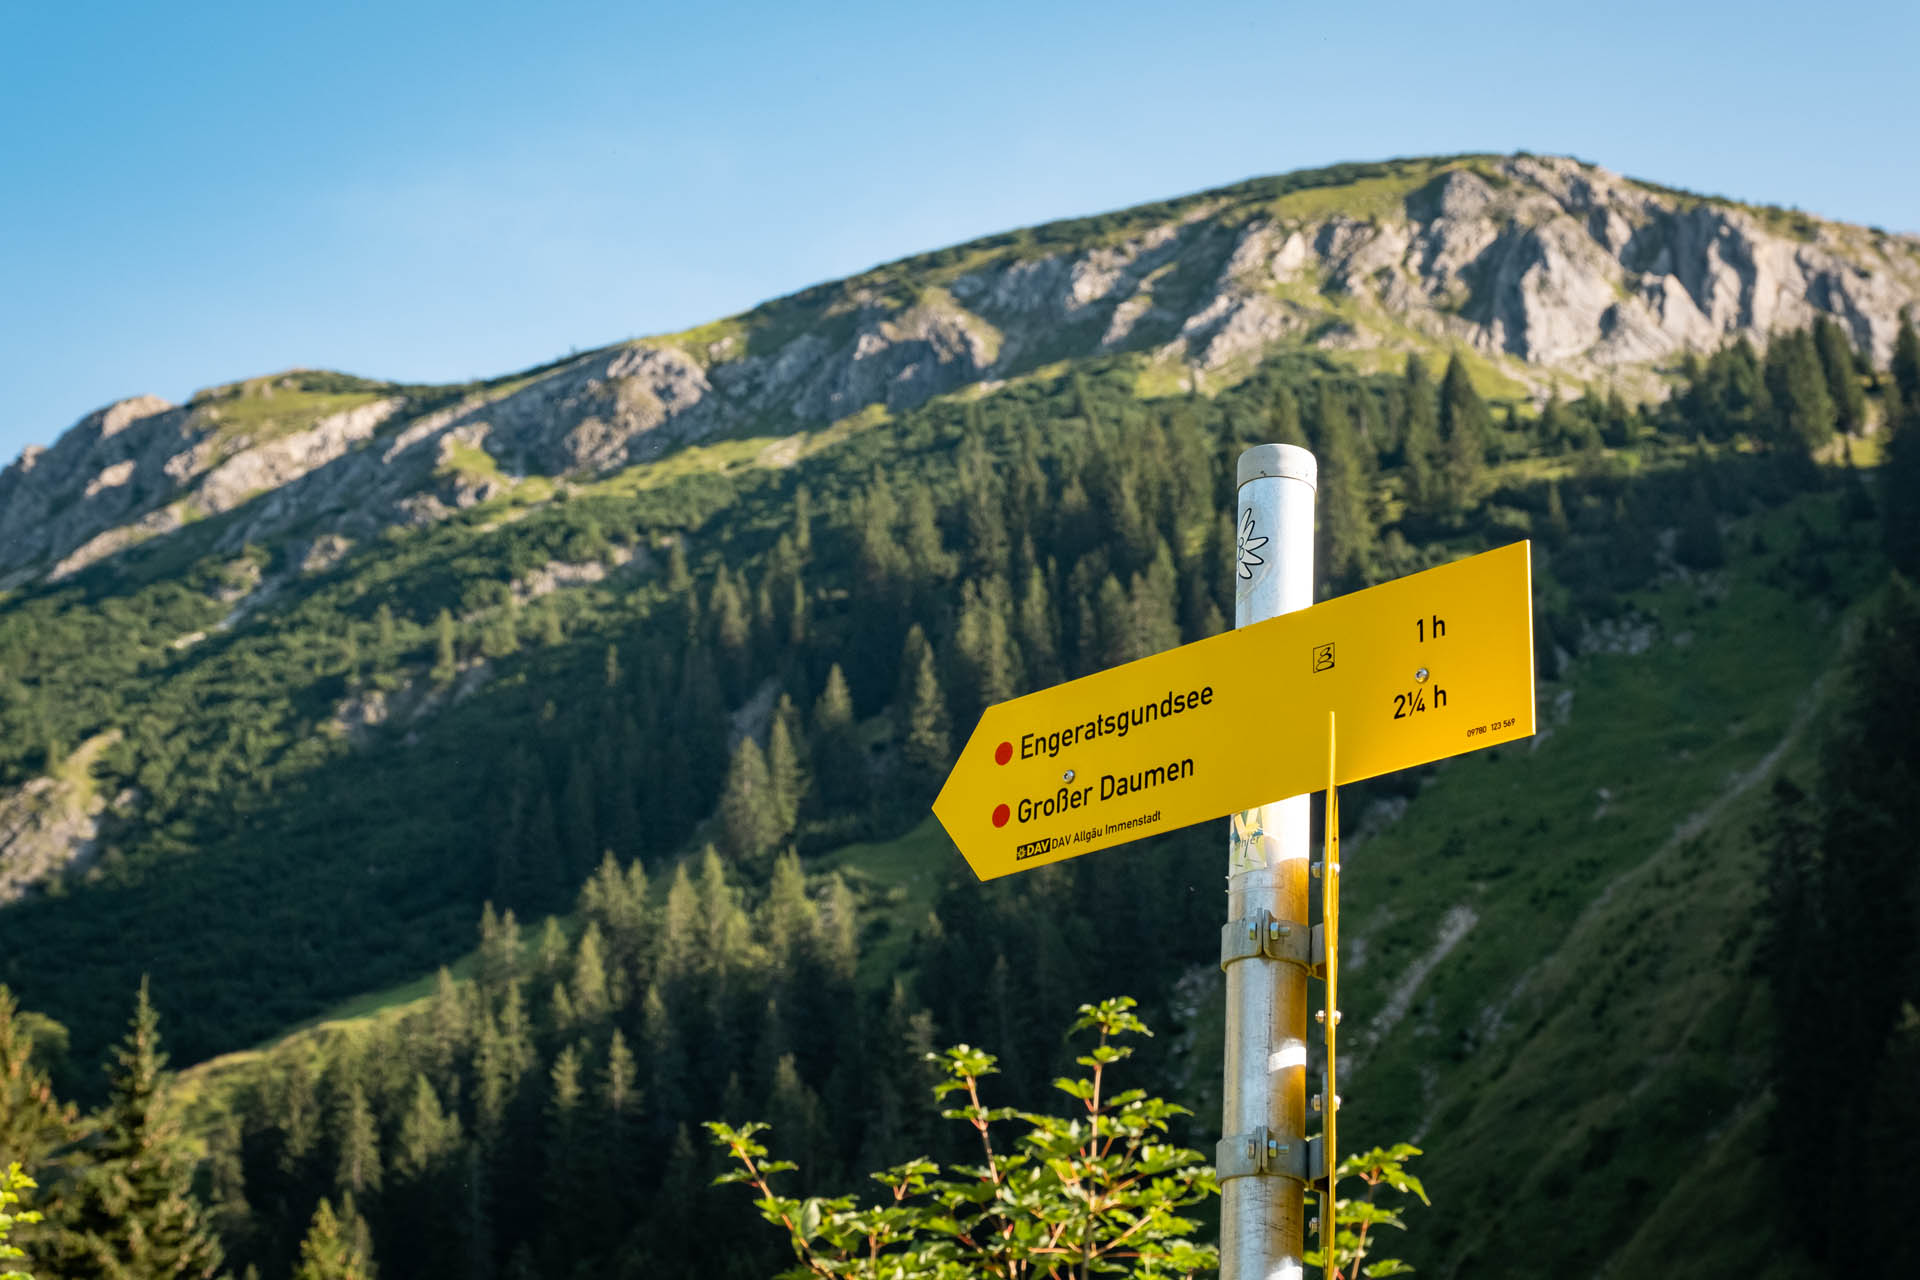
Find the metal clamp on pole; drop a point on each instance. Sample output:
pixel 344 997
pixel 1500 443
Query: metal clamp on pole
pixel 1261 935
pixel 1261 1154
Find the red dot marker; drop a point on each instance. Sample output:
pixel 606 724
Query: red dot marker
pixel 1003 753
pixel 1000 816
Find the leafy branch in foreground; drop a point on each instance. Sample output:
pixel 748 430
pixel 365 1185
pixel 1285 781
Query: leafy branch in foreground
pixel 1354 1219
pixel 1099 1191
pixel 13 1180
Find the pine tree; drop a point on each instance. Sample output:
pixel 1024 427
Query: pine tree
pixel 1346 514
pixel 985 515
pixel 1420 445
pixel 1554 526
pixel 32 1121
pixel 802 522
pixel 880 562
pixel 563 1104
pixel 1075 530
pixel 512 1054
pixel 445 660
pixel 619 1079
pixel 501 638
pixel 1153 599
pixel 984 647
pixel 1843 379
pixel 336 1248
pixel 553 632
pixel 423 1188
pixel 927 556
pixel 385 642
pixel 1740 389
pixel 840 766
pixel 620 904
pixel 799 620
pixel 1026 491
pixel 796 1110
pixel 618 1148
pixel 297 1106
pixel 551 953
pixel 565 1191
pixel 838 929
pixel 1700 545
pixel 1464 429
pixel 1619 424
pixel 764 635
pixel 1039 632
pixel 1283 418
pixel 1900 477
pixel 731 632
pixel 357 1171
pixel 130 1213
pixel 491 1083
pixel 678 580
pixel 925 749
pixel 224 1179
pixel 449 1020
pixel 789 919
pixel 516 1032
pixel 499 953
pixel 589 982
pixel 561 1018
pixel 680 928
pixel 428 1135
pixel 726 931
pixel 1803 411
pixel 1559 429
pixel 1906 370
pixel 785 775
pixel 666 1060
pixel 749 816
pixel 1900 492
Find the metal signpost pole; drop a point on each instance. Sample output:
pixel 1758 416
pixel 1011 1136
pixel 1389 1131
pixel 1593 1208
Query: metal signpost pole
pixel 1266 948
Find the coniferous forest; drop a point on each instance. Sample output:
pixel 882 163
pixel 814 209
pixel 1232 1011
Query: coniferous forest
pixel 663 843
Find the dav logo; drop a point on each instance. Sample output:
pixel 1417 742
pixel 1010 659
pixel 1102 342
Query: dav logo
pixel 1034 848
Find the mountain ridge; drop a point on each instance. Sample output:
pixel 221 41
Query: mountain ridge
pixel 1547 270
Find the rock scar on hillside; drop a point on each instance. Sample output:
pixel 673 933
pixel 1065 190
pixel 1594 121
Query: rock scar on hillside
pixel 50 826
pixel 1454 927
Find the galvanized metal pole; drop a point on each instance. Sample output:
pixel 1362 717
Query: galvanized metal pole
pixel 1266 947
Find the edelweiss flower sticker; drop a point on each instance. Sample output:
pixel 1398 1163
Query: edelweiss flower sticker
pixel 1250 557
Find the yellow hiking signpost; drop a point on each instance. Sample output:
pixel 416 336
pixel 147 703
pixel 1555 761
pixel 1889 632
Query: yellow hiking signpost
pixel 1413 670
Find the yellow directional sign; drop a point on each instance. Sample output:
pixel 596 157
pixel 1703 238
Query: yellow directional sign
pixel 1426 666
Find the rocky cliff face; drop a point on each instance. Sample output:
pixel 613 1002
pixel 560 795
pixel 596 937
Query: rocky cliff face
pixel 1548 268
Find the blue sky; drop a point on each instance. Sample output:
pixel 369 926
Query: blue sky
pixel 198 192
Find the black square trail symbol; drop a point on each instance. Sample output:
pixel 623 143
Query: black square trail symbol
pixel 1323 657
